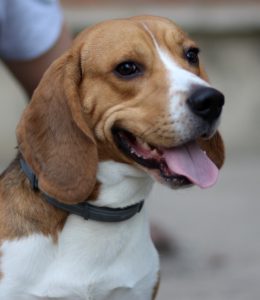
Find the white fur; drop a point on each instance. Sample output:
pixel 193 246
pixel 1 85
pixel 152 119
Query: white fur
pixel 91 260
pixel 181 80
pixel 185 123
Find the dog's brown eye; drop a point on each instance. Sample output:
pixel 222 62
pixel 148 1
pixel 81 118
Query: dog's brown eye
pixel 192 55
pixel 128 69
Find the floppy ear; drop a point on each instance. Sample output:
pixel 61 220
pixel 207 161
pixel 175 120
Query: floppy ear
pixel 215 149
pixel 53 135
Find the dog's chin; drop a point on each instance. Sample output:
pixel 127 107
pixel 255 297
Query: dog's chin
pixel 149 158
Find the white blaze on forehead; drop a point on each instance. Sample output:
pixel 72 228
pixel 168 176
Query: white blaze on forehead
pixel 181 84
pixel 180 79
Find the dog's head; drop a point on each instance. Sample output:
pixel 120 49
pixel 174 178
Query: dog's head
pixel 129 90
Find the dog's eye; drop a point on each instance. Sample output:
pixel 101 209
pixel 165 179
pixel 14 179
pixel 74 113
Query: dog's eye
pixel 128 69
pixel 192 55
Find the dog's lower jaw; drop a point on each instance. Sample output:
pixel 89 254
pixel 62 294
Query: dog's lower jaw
pixel 102 261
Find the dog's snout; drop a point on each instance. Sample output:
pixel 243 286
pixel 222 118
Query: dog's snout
pixel 206 103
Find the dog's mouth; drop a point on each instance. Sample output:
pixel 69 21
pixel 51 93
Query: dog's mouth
pixel 178 166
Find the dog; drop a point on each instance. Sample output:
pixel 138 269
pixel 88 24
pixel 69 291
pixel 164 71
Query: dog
pixel 127 105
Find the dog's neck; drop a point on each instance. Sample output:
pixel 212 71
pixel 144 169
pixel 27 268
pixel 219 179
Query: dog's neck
pixel 121 185
pixel 24 211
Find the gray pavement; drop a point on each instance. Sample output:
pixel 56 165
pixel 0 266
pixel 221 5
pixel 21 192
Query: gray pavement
pixel 217 232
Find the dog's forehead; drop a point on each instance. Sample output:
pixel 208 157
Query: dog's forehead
pixel 134 32
pixel 163 30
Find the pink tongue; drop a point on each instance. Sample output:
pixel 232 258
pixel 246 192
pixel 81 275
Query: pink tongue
pixel 190 161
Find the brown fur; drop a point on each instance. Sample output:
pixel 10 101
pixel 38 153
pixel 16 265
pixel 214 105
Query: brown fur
pixel 54 138
pixel 24 211
pixel 156 288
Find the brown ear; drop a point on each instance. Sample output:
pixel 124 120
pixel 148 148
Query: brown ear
pixel 53 135
pixel 215 149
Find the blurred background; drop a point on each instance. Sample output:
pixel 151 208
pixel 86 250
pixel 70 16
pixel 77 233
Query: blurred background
pixel 215 233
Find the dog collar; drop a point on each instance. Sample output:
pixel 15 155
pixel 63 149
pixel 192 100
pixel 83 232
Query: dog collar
pixel 84 209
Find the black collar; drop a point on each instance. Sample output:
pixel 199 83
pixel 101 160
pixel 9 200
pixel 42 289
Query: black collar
pixel 84 209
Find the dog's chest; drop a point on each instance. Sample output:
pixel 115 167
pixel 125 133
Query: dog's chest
pixel 88 262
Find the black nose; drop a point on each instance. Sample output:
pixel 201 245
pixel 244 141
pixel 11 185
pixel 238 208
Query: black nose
pixel 206 103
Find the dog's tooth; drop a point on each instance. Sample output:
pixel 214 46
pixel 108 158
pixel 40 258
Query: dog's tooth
pixel 143 144
pixel 132 151
pixel 146 146
pixel 154 152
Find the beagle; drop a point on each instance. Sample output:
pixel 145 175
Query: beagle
pixel 128 104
